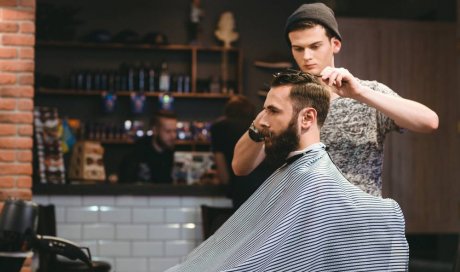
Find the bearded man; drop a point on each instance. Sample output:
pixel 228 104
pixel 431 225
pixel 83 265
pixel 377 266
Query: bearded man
pixel 306 216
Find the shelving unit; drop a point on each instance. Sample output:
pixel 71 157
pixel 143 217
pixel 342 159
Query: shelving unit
pixel 70 92
pixel 193 50
pixel 130 141
pixel 59 59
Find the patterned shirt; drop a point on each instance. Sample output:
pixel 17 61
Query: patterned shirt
pixel 354 134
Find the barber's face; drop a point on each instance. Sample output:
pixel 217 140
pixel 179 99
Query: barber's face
pixel 165 134
pixel 312 49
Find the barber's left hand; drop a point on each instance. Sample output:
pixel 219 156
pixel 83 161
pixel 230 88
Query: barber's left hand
pixel 341 81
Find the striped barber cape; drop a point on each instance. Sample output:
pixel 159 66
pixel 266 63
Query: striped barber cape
pixel 306 217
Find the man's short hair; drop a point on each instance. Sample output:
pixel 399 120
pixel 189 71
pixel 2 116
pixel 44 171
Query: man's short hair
pixel 162 114
pixel 307 91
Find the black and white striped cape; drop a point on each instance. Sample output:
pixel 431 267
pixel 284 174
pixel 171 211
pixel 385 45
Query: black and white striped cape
pixel 306 217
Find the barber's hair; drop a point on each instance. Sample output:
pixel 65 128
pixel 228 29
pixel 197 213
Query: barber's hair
pixel 307 24
pixel 239 107
pixel 162 114
pixel 307 91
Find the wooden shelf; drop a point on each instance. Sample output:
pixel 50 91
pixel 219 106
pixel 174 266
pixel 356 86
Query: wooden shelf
pixel 86 188
pixel 130 141
pixel 71 92
pixel 178 47
pixel 192 142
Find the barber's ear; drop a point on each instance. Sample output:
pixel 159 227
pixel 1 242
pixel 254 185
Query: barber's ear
pixel 336 45
pixel 308 117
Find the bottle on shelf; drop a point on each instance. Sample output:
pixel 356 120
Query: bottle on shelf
pixel 131 78
pixel 97 80
pixel 141 77
pixel 88 81
pixel 151 78
pixel 164 78
pixel 186 84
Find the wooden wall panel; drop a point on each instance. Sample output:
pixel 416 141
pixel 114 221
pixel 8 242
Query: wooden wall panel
pixel 419 61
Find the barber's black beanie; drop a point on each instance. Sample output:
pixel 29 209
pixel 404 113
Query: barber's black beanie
pixel 317 12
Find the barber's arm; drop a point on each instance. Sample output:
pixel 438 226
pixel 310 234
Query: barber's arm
pixel 248 153
pixel 406 113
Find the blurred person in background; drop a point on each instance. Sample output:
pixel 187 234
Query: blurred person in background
pixel 152 157
pixel 225 132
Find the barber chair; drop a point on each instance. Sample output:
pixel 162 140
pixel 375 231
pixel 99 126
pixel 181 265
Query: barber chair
pixel 18 226
pixel 49 262
pixel 213 218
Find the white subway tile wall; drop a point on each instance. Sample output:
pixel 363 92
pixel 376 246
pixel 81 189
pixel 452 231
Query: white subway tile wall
pixel 132 233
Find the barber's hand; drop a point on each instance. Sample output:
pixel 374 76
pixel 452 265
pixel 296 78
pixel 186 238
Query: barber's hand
pixel 341 81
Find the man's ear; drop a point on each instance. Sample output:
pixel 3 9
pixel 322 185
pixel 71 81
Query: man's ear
pixel 336 45
pixel 307 118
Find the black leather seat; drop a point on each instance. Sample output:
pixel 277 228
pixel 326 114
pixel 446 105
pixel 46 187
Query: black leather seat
pixel 213 218
pixel 49 262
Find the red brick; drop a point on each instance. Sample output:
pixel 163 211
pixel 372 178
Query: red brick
pixel 25 194
pixel 7 104
pixel 24 182
pixel 27 27
pixel 7 182
pixel 27 53
pixel 26 130
pixel 6 79
pixel 24 156
pixel 15 169
pixel 8 27
pixel 8 53
pixel 16 118
pixel 7 156
pixel 16 91
pixel 17 66
pixel 8 3
pixel 27 3
pixel 7 129
pixel 15 142
pixel 27 79
pixel 9 14
pixel 18 39
pixel 25 104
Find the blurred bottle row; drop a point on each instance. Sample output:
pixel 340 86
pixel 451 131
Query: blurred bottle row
pixel 137 77
pixel 130 130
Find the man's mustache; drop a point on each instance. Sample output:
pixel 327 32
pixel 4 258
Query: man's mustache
pixel 266 133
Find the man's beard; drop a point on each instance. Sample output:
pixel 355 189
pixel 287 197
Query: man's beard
pixel 162 144
pixel 278 147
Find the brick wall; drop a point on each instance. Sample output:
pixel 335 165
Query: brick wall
pixel 17 39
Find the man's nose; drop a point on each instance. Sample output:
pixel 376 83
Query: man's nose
pixel 263 121
pixel 307 54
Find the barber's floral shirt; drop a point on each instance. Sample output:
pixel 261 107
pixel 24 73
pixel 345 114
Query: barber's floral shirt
pixel 354 135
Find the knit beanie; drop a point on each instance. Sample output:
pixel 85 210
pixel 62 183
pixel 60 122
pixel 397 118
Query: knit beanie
pixel 318 12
